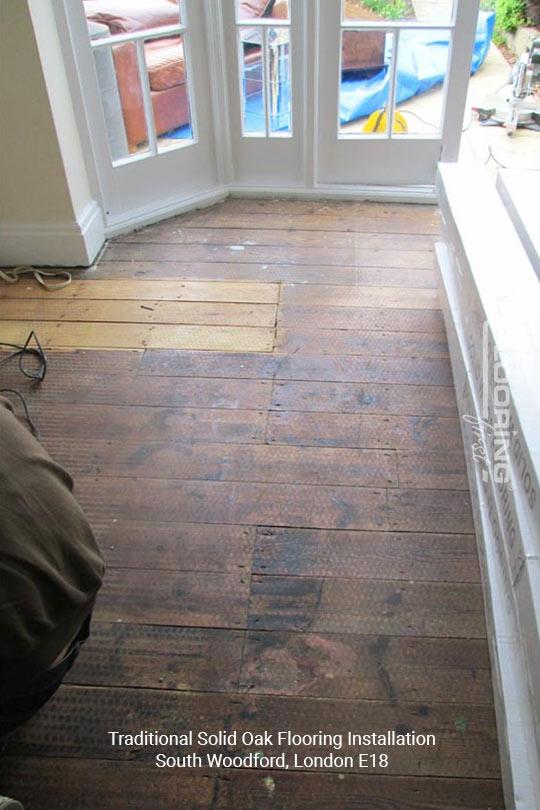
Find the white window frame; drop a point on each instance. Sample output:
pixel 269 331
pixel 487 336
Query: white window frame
pixel 263 24
pixel 395 28
pixel 139 38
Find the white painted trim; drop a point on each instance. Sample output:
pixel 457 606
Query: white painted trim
pixel 458 77
pixel 147 216
pixel 77 244
pixel 322 191
pixel 82 111
pixel 151 214
pixel 424 195
pixel 491 298
pixel 515 727
pixel 92 229
pixel 310 90
pixel 217 58
pixel 64 244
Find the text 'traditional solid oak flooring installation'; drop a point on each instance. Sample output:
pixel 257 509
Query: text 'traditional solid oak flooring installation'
pixel 283 509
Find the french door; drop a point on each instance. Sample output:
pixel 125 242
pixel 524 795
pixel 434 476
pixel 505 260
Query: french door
pixel 186 100
pixel 371 127
pixel 146 91
pixel 266 63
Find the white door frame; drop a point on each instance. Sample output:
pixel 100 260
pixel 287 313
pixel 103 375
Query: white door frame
pixel 313 163
pixel 404 160
pixel 145 186
pixel 261 162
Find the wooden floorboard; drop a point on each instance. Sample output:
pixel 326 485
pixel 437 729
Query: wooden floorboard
pixel 358 296
pixel 268 272
pixel 108 784
pixel 99 335
pixel 422 433
pixel 163 233
pixel 277 254
pixel 366 555
pixel 366 343
pixel 99 709
pixel 129 312
pixel 256 403
pixel 144 290
pixel 141 314
pixel 244 462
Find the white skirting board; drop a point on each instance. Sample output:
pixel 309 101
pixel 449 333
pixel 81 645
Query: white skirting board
pixel 55 244
pixel 478 282
pixel 138 219
pixel 78 243
pixel 148 216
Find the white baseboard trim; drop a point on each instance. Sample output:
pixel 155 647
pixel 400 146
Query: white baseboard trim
pixel 78 243
pixel 92 228
pixel 322 191
pixel 61 244
pixel 150 214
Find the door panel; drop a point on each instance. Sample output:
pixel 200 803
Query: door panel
pixel 147 96
pixel 265 75
pixel 367 132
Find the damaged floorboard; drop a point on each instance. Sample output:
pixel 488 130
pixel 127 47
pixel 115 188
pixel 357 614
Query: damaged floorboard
pixel 274 470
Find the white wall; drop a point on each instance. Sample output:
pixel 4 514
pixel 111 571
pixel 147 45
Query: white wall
pixel 47 213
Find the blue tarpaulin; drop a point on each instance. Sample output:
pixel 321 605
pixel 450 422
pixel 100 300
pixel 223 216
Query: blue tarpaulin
pixel 422 64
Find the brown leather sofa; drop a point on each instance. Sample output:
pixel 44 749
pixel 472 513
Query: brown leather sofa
pixel 165 57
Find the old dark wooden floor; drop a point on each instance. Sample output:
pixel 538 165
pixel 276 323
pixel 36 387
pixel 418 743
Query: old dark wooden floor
pixel 288 534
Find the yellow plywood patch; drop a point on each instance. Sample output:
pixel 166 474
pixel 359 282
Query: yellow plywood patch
pixel 157 312
pixel 150 290
pixel 91 335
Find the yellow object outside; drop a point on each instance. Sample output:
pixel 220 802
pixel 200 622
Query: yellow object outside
pixel 378 122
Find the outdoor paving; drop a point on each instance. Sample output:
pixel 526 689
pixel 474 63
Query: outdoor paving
pixel 432 10
pixel 521 150
pixel 489 146
pixel 486 88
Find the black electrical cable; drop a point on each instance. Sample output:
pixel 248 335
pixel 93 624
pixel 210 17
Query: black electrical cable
pixel 422 120
pixel 37 375
pixel 27 350
pixel 492 157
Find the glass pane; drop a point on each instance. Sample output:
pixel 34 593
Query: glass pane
pixel 121 96
pixel 428 11
pixel 121 17
pixel 169 91
pixel 279 73
pixel 254 115
pixel 421 90
pixel 365 82
pixel 254 9
pixel 119 80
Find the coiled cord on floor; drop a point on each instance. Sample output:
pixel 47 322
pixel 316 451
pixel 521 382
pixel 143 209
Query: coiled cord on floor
pixel 13 275
pixel 36 374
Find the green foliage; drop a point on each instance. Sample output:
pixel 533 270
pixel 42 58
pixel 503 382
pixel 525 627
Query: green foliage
pixel 510 14
pixel 389 9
